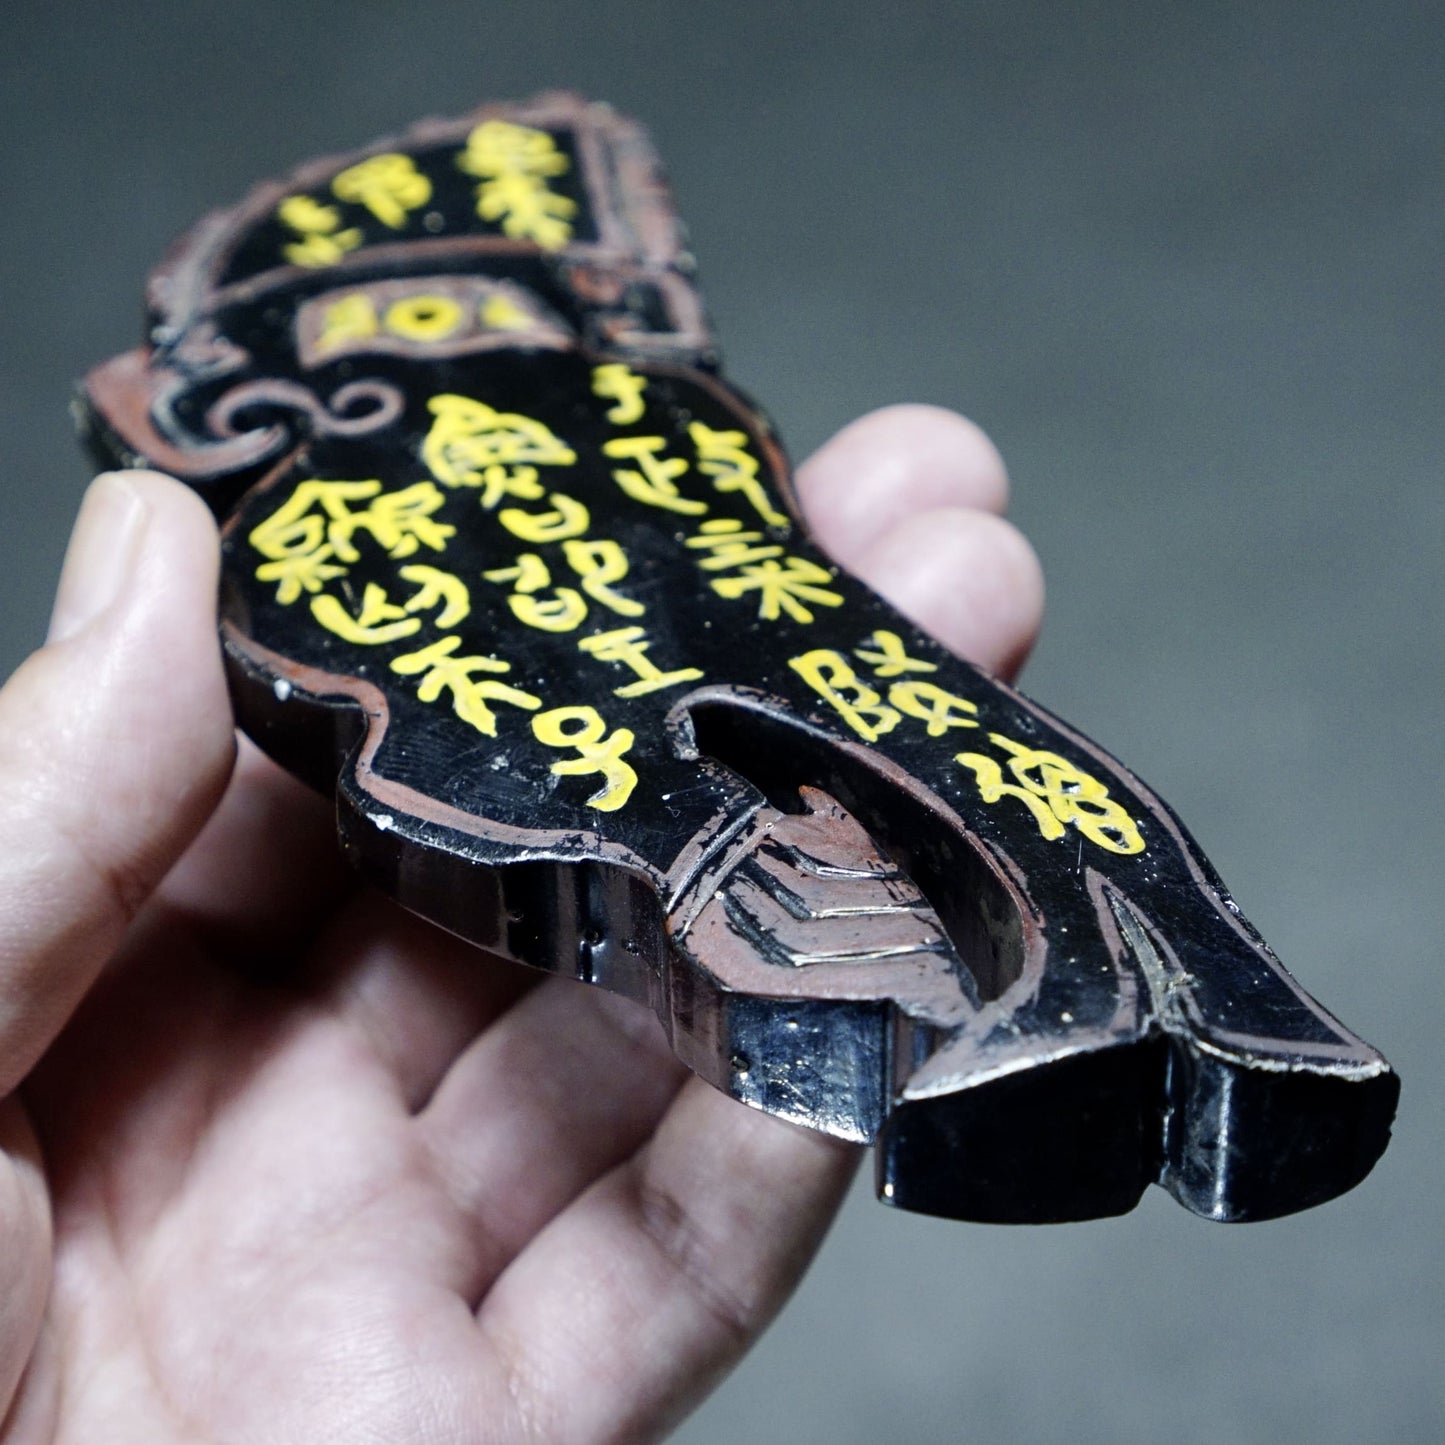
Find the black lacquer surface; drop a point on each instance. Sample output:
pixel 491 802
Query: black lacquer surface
pixel 510 569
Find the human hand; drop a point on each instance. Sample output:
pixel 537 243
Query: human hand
pixel 283 1162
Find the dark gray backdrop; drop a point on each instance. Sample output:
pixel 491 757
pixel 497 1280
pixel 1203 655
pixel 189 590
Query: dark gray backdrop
pixel 1181 262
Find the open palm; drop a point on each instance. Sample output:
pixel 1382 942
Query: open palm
pixel 283 1162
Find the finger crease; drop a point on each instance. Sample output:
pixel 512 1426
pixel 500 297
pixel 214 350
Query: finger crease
pixel 691 1254
pixel 127 888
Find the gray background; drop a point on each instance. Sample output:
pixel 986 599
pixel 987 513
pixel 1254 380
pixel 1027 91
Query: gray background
pixel 1181 262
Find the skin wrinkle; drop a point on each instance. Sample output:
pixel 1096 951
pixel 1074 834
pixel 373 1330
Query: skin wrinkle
pixel 338 1228
pixel 349 1009
pixel 74 1380
pixel 145 1331
pixel 350 996
pixel 120 906
pixel 674 1231
pixel 122 888
pixel 210 1110
pixel 634 1029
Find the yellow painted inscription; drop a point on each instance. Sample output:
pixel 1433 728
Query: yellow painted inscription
pixel 583 731
pixel 378 621
pixel 934 706
pixel 351 318
pixel 567 518
pixel 724 456
pixel 628 645
pixel 322 239
pixel 831 676
pixel 624 387
pixel 389 186
pixel 792 586
pixel 1058 794
pixel 313 530
pixel 382 620
pixel 423 317
pixel 861 706
pixel 561 612
pixel 442 671
pixel 597 565
pixel 653 479
pixel 514 163
pixel 728 544
pixel 471 444
pixel 500 313
pixel 783 584
pixel 885 654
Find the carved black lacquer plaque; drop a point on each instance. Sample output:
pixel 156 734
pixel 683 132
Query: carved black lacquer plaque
pixel 513 571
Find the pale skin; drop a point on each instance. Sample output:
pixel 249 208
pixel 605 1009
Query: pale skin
pixel 283 1163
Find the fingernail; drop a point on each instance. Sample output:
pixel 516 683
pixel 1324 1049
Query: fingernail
pixel 103 548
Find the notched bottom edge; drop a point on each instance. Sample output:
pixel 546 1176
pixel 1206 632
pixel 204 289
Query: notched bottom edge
pixel 1077 1139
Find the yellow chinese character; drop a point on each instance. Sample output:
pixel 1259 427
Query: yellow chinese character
pixel 1056 793
pixel 380 620
pixel 527 209
pixel 295 538
pixel 568 518
pixel 782 587
pixel 387 185
pixel 298 573
pixel 471 444
pixel 530 574
pixel 653 482
pixel 423 318
pixel 322 243
pixel 352 318
pixel 308 216
pixel 723 456
pixel 891 659
pixel 293 529
pixel 441 671
pixel 829 674
pixel 730 545
pixel 561 612
pixel 582 729
pixel 514 162
pixel 399 521
pixel 316 524
pixel 628 645
pixel 625 388
pixel 500 313
pixel 597 564
pixel 931 704
pixel 435 586
pixel 498 146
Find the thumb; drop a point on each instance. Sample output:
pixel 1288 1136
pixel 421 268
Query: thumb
pixel 115 745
